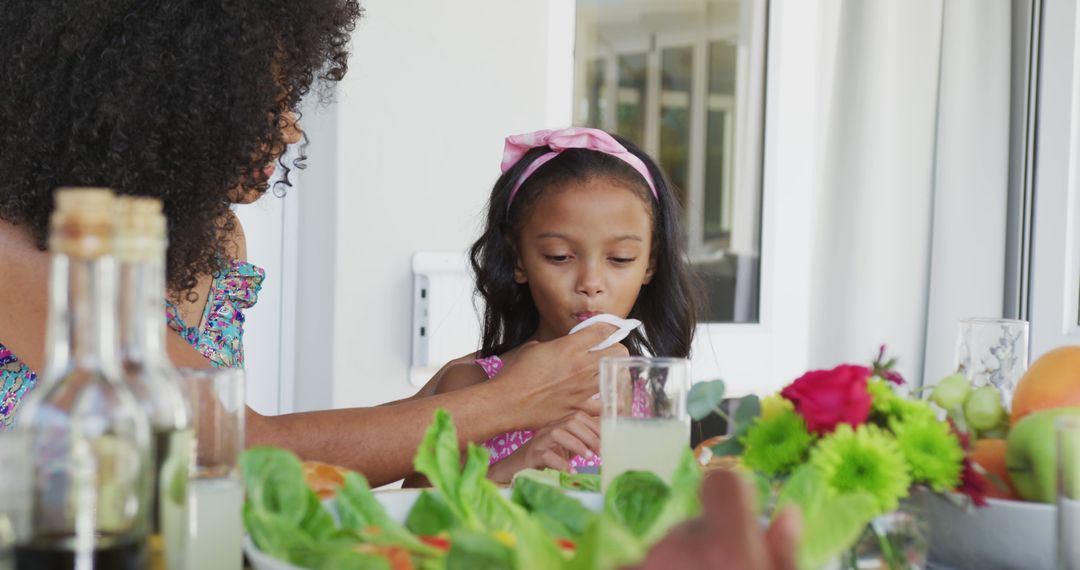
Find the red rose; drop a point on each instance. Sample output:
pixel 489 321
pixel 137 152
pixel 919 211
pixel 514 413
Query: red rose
pixel 827 398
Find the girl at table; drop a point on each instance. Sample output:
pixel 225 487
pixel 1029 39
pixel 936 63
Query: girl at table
pixel 580 223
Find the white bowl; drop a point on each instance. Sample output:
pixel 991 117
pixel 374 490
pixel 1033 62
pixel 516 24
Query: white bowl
pixel 398 503
pixel 1003 536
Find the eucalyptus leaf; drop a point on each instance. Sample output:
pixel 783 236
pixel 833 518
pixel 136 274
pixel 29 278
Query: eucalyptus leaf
pixel 749 408
pixel 704 398
pixel 733 444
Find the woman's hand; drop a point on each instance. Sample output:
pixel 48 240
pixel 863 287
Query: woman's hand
pixel 553 445
pixel 728 535
pixel 551 380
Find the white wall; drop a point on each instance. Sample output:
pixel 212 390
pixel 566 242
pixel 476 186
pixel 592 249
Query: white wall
pixel 420 122
pixel 403 162
pixel 263 221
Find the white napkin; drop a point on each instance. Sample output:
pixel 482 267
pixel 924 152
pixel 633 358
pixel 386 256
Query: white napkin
pixel 626 326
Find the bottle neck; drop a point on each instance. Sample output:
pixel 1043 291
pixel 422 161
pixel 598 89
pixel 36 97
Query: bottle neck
pixel 142 311
pixel 82 315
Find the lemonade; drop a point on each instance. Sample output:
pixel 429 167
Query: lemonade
pixel 642 444
pixel 217 528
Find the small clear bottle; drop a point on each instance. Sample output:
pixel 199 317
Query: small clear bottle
pixel 140 246
pixel 90 440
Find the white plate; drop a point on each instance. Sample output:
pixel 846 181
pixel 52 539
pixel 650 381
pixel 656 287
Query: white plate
pixel 1006 535
pixel 398 503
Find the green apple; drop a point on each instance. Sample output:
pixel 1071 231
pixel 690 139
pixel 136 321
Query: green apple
pixel 951 391
pixel 1031 454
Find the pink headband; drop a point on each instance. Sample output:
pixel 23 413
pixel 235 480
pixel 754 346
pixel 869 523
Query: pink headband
pixel 563 139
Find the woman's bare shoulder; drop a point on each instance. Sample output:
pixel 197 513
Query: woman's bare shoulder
pixel 236 241
pixel 23 294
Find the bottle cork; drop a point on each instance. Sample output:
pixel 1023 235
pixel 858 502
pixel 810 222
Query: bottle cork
pixel 140 228
pixel 81 224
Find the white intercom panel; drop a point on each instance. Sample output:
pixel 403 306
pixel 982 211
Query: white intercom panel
pixel 446 321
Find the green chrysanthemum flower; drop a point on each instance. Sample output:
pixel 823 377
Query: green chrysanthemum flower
pixel 867 459
pixel 917 410
pixel 776 444
pixel 883 400
pixel 932 451
pixel 888 404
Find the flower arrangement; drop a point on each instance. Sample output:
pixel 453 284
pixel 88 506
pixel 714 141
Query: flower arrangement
pixel 845 445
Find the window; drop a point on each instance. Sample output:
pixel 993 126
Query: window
pixel 678 79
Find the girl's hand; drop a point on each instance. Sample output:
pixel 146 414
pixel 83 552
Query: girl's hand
pixel 553 445
pixel 551 380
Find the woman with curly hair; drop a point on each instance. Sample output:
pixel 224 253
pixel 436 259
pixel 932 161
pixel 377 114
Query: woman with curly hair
pixel 193 102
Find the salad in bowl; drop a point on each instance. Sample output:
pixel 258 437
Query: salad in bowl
pixel 545 520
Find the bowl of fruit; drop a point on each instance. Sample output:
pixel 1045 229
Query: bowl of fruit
pixel 1014 455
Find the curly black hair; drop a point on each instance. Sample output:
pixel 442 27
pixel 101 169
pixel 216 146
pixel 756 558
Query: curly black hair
pixel 667 306
pixel 183 100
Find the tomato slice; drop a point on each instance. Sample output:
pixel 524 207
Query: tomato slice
pixel 436 542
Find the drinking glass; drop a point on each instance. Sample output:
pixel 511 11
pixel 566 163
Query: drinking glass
pixel 993 352
pixel 15 480
pixel 1068 493
pixel 216 493
pixel 644 425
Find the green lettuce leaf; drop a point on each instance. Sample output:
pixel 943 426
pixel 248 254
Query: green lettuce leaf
pixel 636 499
pixel 589 482
pixel 684 500
pixel 535 548
pixel 274 483
pixel 580 481
pixel 607 545
pixel 338 552
pixel 317 522
pixel 282 514
pixel 429 516
pixel 359 509
pixel 562 516
pixel 275 534
pixel 472 499
pixel 470 550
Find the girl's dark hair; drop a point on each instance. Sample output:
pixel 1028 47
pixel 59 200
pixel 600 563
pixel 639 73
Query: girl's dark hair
pixel 177 99
pixel 667 305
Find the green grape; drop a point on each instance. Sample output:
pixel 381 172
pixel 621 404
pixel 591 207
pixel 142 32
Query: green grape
pixel 951 391
pixel 982 409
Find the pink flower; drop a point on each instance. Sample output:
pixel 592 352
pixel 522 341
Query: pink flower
pixel 972 485
pixel 827 398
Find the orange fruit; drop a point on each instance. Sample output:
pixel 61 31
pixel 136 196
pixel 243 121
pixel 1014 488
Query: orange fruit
pixel 990 455
pixel 1053 381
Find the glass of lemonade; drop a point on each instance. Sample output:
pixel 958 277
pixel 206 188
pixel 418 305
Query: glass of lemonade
pixel 16 476
pixel 216 492
pixel 644 425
